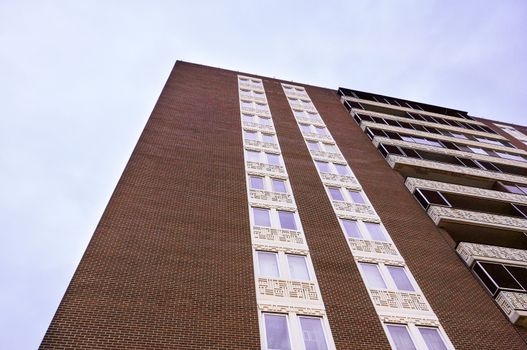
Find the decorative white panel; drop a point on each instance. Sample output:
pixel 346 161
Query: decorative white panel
pixel 328 157
pixel 514 305
pixel 441 214
pixel 339 180
pixel 318 137
pixel 261 146
pixel 258 127
pixel 355 211
pixel 287 289
pixel 265 169
pixel 286 309
pixel 271 199
pixel 470 252
pixel 399 300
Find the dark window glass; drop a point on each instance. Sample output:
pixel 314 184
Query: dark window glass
pixel 378 120
pixel 375 132
pixel 432 130
pixel 441 121
pixel 520 209
pixel 419 127
pixel 433 197
pixel 500 275
pixel 392 122
pixel 485 279
pixel 421 199
pixel 406 125
pixel 389 149
pixel 428 118
pixel 393 135
pixel 411 153
pixel 365 117
pixel 449 145
pixel 468 162
pixel 488 166
pixel 520 274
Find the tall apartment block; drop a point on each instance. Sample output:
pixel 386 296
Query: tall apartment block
pixel 256 213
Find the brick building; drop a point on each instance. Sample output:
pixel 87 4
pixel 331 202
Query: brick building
pixel 258 213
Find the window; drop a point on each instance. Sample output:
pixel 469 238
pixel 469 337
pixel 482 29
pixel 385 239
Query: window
pixel 428 197
pixel 356 197
pixel 273 159
pixel 276 332
pixel 250 135
pixel 498 276
pixel 351 228
pixel 400 278
pixel 247 104
pixel 268 264
pixel 305 128
pixel 330 148
pixel 269 138
pixel 257 182
pixel 247 118
pixel 298 267
pixel 313 333
pixel 372 275
pixel 253 156
pixel 510 156
pixel 321 130
pixel 261 107
pixel 279 185
pixel 323 167
pixel 313 146
pixel 264 121
pixel 477 150
pixel 342 169
pixel 375 230
pixel 432 338
pixel 335 194
pixel 400 337
pixel 262 217
pixel 485 140
pixel 287 220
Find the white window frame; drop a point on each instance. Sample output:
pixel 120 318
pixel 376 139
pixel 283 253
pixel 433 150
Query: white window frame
pixel 260 136
pixel 268 183
pixel 364 230
pixel 262 157
pixel 415 335
pixel 332 168
pixel 283 265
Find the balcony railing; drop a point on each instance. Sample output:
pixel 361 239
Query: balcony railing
pixel 470 252
pixel 514 305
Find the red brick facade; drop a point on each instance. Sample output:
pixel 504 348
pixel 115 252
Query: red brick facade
pixel 170 263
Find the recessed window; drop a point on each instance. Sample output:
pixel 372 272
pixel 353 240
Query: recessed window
pixel 321 130
pixel 375 230
pixel 342 169
pixel 269 138
pixel 400 278
pixel 257 182
pixel 268 264
pixel 372 275
pixel 432 338
pixel 248 118
pixel 351 228
pixel 253 156
pixel 510 156
pixel 400 337
pixel 313 333
pixel 250 135
pixel 323 167
pixel 305 128
pixel 287 220
pixel 276 332
pixel 313 146
pixel 356 197
pixel 428 197
pixel 273 159
pixel 279 185
pixel 262 217
pixel 298 267
pixel 335 194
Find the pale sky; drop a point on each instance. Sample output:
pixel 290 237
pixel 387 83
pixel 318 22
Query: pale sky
pixel 78 80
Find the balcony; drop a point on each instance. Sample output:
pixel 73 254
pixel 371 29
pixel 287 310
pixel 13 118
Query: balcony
pixel 438 171
pixel 477 227
pixel 446 151
pixel 417 133
pixel 468 191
